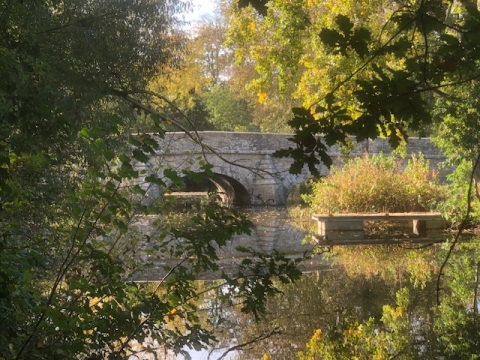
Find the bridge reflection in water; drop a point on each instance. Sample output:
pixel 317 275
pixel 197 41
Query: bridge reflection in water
pixel 272 232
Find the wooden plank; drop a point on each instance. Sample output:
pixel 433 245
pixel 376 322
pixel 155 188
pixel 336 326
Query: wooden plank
pixel 348 229
pixel 339 230
pixel 432 224
pixel 343 235
pixel 377 216
pixel 428 227
pixel 384 241
pixel 341 225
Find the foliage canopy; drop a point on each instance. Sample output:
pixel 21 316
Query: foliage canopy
pixel 367 70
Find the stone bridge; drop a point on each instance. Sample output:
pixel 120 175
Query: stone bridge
pixel 246 173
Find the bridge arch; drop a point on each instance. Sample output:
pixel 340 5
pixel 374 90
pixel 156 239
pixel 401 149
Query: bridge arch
pixel 230 190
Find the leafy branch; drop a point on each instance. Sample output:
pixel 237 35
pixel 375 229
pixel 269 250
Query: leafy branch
pixel 460 229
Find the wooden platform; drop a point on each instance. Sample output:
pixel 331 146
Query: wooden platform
pixel 348 229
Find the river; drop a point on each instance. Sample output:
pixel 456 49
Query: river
pixel 350 282
pixel 274 230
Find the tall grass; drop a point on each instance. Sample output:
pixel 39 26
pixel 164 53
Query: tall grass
pixel 377 184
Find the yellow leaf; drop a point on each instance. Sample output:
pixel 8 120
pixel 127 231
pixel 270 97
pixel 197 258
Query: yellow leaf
pixel 266 357
pixel 172 312
pixel 317 334
pixel 251 26
pixel 262 97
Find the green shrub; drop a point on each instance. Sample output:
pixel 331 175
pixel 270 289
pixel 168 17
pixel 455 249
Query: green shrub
pixel 455 206
pixel 377 184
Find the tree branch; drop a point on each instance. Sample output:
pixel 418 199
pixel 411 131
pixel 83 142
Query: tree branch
pixel 67 262
pixel 261 337
pixel 193 135
pixel 462 226
pixel 366 63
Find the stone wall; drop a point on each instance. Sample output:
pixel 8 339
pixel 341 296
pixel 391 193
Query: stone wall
pixel 246 159
pixel 254 144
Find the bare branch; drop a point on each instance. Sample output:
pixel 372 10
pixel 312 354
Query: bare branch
pixel 256 339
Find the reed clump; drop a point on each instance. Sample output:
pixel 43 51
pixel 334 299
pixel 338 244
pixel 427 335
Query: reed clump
pixel 377 184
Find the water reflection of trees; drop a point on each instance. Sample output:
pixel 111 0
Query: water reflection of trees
pixel 381 312
pixel 321 300
pixel 443 328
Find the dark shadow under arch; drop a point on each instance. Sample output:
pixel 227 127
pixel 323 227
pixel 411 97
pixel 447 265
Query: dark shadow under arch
pixel 231 191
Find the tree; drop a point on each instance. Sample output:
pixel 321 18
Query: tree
pixel 227 112
pixel 200 84
pixel 269 113
pixel 210 35
pixel 386 82
pixel 302 69
pixel 285 49
pixel 182 84
pixel 76 77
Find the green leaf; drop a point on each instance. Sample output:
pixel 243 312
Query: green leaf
pixel 140 156
pixel 329 99
pixel 428 24
pixel 154 179
pixel 110 186
pixel 301 112
pixel 109 155
pixel 121 225
pixel 449 39
pixel 360 41
pixel 138 190
pixel 344 24
pixel 84 133
pixel 124 158
pixel 207 169
pixel 330 38
pixel 173 176
pixel 150 141
pixel 296 167
pixel 134 141
pixel 99 146
pixel 27 276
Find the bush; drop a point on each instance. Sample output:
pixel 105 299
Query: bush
pixel 377 184
pixel 455 206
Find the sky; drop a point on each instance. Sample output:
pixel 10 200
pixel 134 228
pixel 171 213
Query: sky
pixel 200 9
